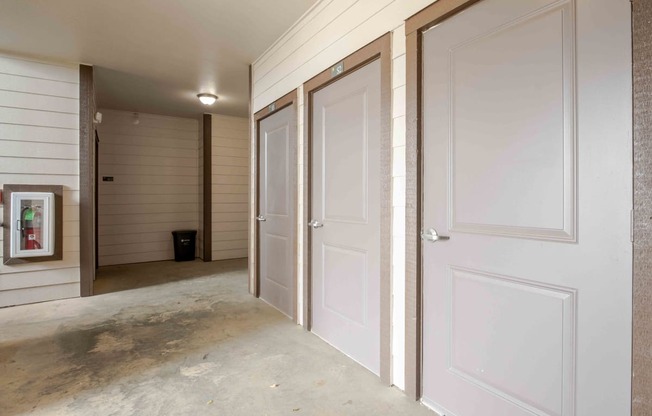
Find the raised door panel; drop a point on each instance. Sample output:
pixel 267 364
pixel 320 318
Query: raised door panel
pixel 345 158
pixel 512 114
pixel 345 283
pixel 277 173
pixel 498 324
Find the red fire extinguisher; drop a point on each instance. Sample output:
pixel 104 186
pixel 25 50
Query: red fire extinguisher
pixel 38 227
pixel 29 230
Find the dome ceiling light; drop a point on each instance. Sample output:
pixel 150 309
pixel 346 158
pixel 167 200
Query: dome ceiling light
pixel 207 99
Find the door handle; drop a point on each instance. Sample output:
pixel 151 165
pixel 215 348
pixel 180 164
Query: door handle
pixel 431 235
pixel 315 224
pixel 261 218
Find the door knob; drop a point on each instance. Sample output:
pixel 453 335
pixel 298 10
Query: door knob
pixel 315 224
pixel 261 218
pixel 431 235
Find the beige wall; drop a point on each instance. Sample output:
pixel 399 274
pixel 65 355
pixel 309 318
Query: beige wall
pixel 230 186
pixel 155 167
pixel 325 35
pixel 39 144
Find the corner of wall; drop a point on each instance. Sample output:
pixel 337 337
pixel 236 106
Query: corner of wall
pixel 39 144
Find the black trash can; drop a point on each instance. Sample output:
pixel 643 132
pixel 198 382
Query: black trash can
pixel 184 244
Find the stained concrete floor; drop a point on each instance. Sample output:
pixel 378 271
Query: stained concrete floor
pixel 197 344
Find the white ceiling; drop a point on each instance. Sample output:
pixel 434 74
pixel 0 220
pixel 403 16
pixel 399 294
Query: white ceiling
pixel 153 56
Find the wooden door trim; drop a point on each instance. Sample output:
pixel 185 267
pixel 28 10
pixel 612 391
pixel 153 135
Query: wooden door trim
pixel 87 189
pixel 207 188
pixel 378 49
pixel 414 28
pixel 642 261
pixel 287 100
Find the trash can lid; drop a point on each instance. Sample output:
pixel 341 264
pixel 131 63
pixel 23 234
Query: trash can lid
pixel 184 231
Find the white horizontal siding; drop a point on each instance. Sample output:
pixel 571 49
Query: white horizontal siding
pixel 230 186
pixel 39 145
pixel 167 171
pixel 39 134
pixel 41 87
pixel 154 149
pixel 231 226
pixel 324 36
pixel 334 31
pixel 111 188
pixel 128 229
pixel 230 207
pixel 141 198
pixel 138 133
pixel 16 149
pixel 14 65
pixel 155 171
pixel 39 165
pixel 42 293
pixel 42 118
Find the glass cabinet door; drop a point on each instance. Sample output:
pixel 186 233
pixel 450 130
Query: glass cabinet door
pixel 32 215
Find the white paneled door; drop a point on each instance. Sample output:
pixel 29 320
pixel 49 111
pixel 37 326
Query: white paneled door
pixel 276 213
pixel 346 215
pixel 527 168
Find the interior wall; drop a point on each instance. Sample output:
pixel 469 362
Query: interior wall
pixel 642 350
pixel 39 144
pixel 230 176
pixel 155 187
pixel 323 37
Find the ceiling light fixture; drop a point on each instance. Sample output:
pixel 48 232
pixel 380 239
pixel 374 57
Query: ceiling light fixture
pixel 207 99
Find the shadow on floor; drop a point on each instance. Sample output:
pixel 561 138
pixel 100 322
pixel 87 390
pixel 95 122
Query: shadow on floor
pixel 79 358
pixel 110 279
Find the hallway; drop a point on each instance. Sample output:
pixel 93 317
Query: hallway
pixel 197 346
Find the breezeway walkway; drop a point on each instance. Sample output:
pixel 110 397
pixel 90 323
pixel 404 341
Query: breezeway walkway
pixel 177 339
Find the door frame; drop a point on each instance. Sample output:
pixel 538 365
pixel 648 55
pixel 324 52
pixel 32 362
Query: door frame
pixel 379 49
pixel 642 235
pixel 206 191
pixel 87 181
pixel 289 99
pixel 414 28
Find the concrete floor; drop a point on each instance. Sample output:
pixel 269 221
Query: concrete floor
pixel 198 344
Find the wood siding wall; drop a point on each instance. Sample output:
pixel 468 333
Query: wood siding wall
pixel 230 175
pixel 39 144
pixel 155 166
pixel 325 35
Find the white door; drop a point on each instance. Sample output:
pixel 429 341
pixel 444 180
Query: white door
pixel 276 216
pixel 527 167
pixel 346 201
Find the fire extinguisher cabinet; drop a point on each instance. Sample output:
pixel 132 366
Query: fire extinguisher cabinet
pixel 32 223
pixel 32 215
pixel 184 244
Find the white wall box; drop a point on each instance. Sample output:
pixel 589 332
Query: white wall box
pixel 35 223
